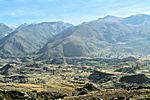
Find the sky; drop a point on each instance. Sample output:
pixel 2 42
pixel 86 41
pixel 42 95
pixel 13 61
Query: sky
pixel 17 12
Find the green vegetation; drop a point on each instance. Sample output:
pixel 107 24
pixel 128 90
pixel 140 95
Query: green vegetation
pixel 75 78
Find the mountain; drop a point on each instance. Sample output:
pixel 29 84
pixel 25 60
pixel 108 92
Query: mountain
pixel 137 19
pixel 29 38
pixel 108 36
pixel 4 30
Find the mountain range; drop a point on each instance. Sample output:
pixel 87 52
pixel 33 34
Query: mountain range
pixel 108 36
pixel 29 38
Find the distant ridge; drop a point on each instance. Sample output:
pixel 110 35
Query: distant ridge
pixel 109 36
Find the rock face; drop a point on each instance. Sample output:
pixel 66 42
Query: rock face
pixel 138 79
pixel 8 70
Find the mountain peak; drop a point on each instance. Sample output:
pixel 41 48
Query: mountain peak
pixel 29 38
pixel 110 18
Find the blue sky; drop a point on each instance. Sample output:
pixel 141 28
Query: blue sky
pixel 16 12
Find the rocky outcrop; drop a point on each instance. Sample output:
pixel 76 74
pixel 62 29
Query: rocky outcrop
pixel 8 70
pixel 137 79
pixel 100 77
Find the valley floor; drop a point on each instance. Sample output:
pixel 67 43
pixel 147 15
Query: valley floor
pixel 76 79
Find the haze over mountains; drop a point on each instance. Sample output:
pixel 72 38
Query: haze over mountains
pixel 4 30
pixel 108 36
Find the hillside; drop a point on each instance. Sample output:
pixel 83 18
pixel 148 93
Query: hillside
pixel 4 30
pixel 28 39
pixel 108 36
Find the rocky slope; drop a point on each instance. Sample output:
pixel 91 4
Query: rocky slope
pixel 4 30
pixel 28 39
pixel 108 36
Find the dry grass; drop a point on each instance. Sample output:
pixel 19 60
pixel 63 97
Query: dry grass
pixel 22 87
